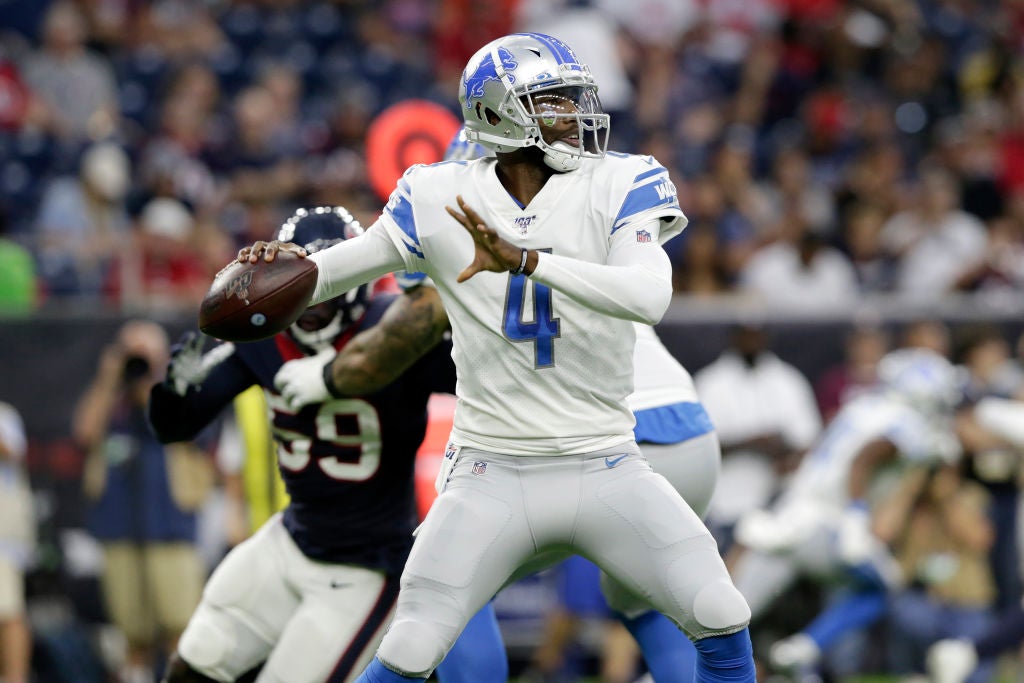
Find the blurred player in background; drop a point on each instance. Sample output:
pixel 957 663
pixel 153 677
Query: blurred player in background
pixel 603 216
pixel 993 424
pixel 820 526
pixel 17 545
pixel 308 596
pixel 673 431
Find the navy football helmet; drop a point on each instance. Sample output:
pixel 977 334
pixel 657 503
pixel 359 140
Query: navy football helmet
pixel 316 229
pixel 514 84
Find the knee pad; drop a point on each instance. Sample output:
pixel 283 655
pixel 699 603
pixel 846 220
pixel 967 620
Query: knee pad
pixel 719 609
pixel 205 648
pixel 414 648
pixel 179 671
pixel 426 623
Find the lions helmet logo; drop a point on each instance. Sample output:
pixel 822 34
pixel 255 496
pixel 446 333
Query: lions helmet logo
pixel 487 71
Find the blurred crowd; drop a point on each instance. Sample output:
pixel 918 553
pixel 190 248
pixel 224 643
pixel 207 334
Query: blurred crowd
pixel 823 149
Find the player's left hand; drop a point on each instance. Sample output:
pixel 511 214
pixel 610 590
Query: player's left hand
pixel 493 252
pixel 856 542
pixel 301 382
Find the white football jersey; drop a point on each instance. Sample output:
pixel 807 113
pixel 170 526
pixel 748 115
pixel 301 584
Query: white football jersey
pixel 919 438
pixel 538 373
pixel 660 379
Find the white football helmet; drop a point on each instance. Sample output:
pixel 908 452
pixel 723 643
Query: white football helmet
pixel 923 379
pixel 497 95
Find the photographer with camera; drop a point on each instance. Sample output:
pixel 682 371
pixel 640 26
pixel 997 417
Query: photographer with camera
pixel 143 499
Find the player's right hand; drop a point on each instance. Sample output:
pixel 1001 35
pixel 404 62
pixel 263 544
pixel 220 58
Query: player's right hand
pixel 268 250
pixel 186 368
pixel 301 382
pixel 493 252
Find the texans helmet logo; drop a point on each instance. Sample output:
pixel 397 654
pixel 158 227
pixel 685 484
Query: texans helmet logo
pixel 239 286
pixel 487 71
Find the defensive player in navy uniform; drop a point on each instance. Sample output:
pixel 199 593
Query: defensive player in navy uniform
pixel 544 258
pixel 310 593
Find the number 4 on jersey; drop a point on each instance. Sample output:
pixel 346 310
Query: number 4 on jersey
pixel 543 327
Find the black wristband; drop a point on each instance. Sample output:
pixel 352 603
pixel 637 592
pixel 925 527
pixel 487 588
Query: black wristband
pixel 522 263
pixel 332 388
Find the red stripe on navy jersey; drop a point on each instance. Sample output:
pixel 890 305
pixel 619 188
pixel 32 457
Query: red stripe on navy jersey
pixel 375 621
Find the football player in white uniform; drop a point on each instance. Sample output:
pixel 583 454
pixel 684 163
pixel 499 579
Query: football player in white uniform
pixel 820 526
pixel 557 255
pixel 673 431
pixel 993 423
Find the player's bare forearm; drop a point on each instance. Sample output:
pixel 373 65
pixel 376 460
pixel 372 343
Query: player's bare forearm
pixel 413 324
pixel 872 457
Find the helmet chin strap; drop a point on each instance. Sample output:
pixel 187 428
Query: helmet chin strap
pixel 318 340
pixel 561 156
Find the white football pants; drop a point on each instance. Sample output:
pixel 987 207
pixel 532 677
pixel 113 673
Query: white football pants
pixel 498 513
pixel 309 620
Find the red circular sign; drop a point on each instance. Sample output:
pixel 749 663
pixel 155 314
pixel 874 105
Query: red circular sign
pixel 404 134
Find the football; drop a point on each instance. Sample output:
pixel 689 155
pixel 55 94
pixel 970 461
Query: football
pixel 253 301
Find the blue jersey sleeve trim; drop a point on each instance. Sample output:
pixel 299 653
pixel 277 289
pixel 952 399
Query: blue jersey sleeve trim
pixel 413 250
pixel 399 209
pixel 651 190
pixel 672 424
pixel 648 174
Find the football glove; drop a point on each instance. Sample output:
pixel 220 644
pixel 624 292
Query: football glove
pixel 759 530
pixel 796 653
pixel 779 531
pixel 301 382
pixel 856 542
pixel 951 660
pixel 188 366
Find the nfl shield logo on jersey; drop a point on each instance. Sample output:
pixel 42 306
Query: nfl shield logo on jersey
pixel 479 467
pixel 643 236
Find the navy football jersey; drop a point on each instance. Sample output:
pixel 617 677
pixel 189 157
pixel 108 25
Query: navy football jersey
pixel 348 463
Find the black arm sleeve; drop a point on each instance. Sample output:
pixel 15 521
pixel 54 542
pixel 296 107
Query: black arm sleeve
pixel 181 418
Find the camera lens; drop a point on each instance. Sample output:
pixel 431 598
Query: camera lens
pixel 135 367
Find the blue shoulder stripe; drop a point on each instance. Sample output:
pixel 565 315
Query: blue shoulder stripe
pixel 399 208
pixel 651 190
pixel 648 174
